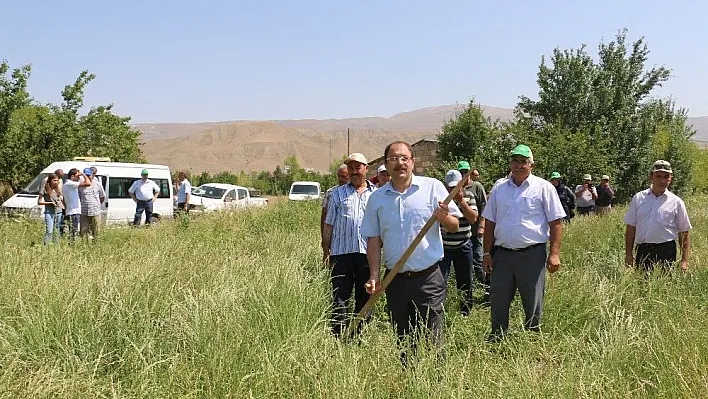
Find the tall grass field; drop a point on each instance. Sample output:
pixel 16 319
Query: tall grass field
pixel 237 305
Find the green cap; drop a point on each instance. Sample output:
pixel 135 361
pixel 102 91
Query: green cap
pixel 144 172
pixel 463 165
pixel 522 150
pixel 555 175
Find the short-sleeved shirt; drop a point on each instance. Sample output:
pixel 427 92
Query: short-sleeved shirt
pixel 657 219
pixel 56 199
pixel 185 187
pixel 522 213
pixel 71 197
pixel 89 199
pixel 459 238
pixel 98 190
pixel 398 218
pixel 144 190
pixel 480 198
pixel 325 198
pixel 604 198
pixel 345 212
pixel 585 200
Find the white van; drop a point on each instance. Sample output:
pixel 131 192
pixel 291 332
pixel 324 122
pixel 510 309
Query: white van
pixel 116 178
pixel 304 190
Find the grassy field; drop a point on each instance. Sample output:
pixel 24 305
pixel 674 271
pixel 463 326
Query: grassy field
pixel 236 305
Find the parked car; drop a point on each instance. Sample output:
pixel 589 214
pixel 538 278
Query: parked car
pixel 219 196
pixel 116 178
pixel 304 191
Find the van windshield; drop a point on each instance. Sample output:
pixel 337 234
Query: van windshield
pixel 35 185
pixel 306 189
pixel 209 192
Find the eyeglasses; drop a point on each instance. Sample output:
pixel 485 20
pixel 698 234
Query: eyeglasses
pixel 402 159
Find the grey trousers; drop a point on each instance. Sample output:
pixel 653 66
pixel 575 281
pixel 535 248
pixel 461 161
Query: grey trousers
pixel 524 271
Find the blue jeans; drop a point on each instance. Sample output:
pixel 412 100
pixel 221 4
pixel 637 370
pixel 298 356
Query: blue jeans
pixel 52 222
pixel 461 259
pixel 143 206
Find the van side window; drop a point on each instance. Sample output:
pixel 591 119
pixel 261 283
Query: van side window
pixel 118 187
pixel 242 194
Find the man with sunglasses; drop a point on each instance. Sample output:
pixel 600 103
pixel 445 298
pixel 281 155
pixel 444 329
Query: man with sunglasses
pixel 523 213
pixel 656 217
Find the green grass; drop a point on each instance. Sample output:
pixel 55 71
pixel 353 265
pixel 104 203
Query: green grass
pixel 236 305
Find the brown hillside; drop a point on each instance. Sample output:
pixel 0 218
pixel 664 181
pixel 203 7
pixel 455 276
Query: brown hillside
pixel 261 145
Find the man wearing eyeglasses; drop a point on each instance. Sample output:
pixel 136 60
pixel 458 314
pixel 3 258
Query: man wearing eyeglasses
pixel 522 214
pixel 656 217
pixel 394 216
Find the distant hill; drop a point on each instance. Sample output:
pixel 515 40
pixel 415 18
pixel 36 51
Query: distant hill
pixel 261 145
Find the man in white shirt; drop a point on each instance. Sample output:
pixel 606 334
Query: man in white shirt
pixel 521 215
pixel 144 192
pixel 72 201
pixel 184 192
pixel 655 218
pixel 586 194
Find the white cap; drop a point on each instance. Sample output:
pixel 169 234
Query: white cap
pixel 381 168
pixel 356 157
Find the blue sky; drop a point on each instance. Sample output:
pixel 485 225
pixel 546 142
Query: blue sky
pixel 189 61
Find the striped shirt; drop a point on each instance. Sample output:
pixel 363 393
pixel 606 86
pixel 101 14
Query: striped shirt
pixel 90 204
pixel 345 212
pixel 459 239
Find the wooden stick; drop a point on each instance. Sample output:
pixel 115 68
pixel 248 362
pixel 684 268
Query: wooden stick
pixel 399 265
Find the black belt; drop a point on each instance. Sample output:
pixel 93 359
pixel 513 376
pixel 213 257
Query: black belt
pixel 648 245
pixel 521 249
pixel 419 273
pixel 586 207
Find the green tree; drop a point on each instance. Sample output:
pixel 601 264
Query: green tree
pixel 607 103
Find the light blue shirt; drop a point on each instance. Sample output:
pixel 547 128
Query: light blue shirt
pixel 398 217
pixel 184 188
pixel 521 213
pixel 345 212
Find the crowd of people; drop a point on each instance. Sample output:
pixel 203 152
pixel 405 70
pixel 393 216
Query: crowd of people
pixel 502 242
pixel 73 203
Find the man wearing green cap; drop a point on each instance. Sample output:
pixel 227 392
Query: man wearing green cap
pixel 565 194
pixel 144 192
pixel 475 191
pixel 522 214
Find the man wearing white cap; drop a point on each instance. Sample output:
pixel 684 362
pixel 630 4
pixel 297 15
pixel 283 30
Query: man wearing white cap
pixel 586 195
pixel 457 245
pixel 343 243
pixel 382 175
pixel 605 195
pixel 655 219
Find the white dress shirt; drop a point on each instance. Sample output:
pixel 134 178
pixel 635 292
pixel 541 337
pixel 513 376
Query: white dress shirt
pixel 657 219
pixel 521 213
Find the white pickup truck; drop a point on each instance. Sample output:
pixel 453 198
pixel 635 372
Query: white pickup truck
pixel 218 196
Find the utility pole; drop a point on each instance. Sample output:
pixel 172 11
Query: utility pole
pixel 348 142
pixel 330 148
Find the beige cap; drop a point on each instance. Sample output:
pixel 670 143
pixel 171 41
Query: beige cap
pixel 587 177
pixel 605 177
pixel 356 157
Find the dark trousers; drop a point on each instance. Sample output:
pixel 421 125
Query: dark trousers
pixel 461 259
pixel 477 255
pixel 586 210
pixel 350 272
pixel 524 271
pixel 649 255
pixel 415 305
pixel 72 222
pixel 181 210
pixel 143 206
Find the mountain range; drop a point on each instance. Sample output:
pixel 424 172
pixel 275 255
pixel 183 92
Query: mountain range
pixel 261 145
